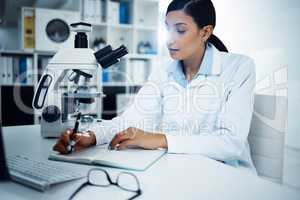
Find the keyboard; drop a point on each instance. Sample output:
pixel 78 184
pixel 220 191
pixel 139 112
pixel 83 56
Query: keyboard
pixel 39 175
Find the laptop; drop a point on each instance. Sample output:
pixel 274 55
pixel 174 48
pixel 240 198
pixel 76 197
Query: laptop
pixel 30 172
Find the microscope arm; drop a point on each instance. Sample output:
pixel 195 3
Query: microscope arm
pixel 49 83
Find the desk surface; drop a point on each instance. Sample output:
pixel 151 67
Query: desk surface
pixel 174 176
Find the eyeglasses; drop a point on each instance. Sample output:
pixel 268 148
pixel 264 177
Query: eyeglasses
pixel 100 178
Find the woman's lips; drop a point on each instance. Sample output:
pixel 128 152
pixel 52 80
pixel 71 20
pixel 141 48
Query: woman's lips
pixel 173 50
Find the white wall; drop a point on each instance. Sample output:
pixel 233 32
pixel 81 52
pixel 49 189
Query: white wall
pixel 269 31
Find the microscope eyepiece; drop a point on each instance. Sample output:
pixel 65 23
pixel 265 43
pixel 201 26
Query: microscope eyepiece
pixel 120 52
pixel 107 57
pixel 81 40
pixel 81 28
pixel 103 52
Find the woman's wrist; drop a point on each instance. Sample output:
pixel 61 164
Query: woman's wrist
pixel 162 141
pixel 93 138
pixel 153 140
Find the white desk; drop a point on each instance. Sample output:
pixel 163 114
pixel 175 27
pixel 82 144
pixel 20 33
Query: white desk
pixel 172 177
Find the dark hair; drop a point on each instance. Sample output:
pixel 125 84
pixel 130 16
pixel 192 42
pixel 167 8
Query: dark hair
pixel 203 12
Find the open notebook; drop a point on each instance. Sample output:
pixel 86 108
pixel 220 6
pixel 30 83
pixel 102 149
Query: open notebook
pixel 132 159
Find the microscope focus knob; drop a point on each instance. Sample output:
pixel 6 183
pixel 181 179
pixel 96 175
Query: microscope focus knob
pixel 51 113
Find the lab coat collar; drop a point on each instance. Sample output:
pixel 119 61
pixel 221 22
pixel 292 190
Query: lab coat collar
pixel 211 64
pixel 216 66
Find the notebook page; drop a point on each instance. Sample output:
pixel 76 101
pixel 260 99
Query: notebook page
pixel 137 159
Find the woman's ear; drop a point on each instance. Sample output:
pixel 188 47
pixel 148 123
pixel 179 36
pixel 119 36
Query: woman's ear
pixel 207 32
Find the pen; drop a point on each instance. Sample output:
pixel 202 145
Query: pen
pixel 72 142
pixel 110 147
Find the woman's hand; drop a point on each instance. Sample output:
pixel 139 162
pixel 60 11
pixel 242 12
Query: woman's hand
pixel 82 141
pixel 134 137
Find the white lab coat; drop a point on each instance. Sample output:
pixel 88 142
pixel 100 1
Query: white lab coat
pixel 211 115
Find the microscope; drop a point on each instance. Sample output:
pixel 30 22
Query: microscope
pixel 71 83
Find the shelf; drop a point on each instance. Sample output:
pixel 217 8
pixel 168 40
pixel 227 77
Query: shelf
pixel 156 1
pixel 147 28
pixel 18 84
pixel 126 26
pixel 51 53
pixel 121 26
pixel 140 56
pixel 143 24
pixel 16 52
pixel 103 24
pixel 45 53
pixel 84 95
pixel 119 84
pixel 26 52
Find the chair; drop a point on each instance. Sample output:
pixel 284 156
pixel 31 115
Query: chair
pixel 266 137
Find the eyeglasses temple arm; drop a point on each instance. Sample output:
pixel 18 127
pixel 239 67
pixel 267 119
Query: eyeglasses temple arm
pixel 78 189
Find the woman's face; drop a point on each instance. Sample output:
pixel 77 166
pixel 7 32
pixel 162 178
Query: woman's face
pixel 185 39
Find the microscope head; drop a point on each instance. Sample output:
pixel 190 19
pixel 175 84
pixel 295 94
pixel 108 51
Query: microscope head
pixel 82 57
pixel 106 56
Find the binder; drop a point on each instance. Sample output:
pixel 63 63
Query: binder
pixel 2 72
pixel 105 76
pixel 113 12
pixel 29 71
pixel 22 70
pixel 9 70
pixel 16 70
pixel 124 13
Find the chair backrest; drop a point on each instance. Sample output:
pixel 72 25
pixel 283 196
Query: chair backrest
pixel 267 133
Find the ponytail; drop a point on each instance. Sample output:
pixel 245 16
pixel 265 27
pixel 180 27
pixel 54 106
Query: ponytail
pixel 214 40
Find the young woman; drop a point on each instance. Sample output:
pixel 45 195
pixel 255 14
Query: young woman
pixel 201 103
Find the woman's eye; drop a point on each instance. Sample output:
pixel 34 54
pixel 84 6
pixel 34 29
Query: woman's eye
pixel 181 31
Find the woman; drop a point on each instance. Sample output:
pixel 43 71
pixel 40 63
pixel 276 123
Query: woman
pixel 201 103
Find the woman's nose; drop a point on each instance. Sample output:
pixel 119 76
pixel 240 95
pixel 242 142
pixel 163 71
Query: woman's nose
pixel 170 39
